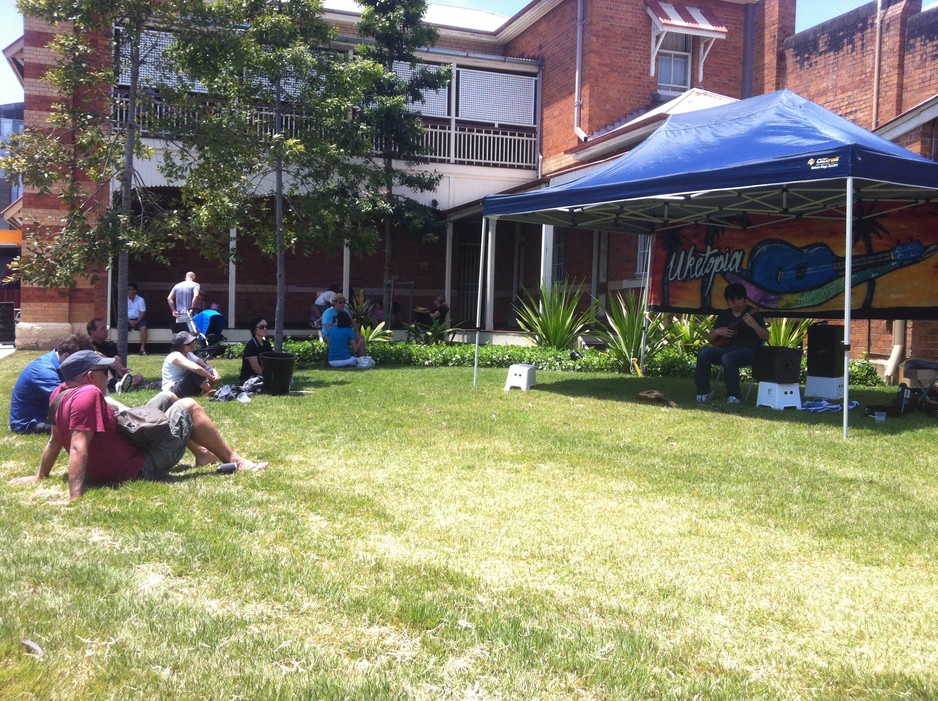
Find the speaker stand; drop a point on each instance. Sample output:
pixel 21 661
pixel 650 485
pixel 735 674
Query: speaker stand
pixel 824 387
pixel 779 396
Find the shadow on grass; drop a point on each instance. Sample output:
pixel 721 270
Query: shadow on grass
pixel 680 391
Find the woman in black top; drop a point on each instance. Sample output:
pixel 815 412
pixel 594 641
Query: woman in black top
pixel 250 358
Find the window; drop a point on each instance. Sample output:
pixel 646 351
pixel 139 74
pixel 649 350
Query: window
pixel 674 63
pixel 557 272
pixel 641 256
pixel 674 28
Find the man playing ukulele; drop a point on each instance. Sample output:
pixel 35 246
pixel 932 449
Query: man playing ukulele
pixel 737 333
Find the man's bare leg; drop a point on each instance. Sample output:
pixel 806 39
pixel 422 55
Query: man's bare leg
pixel 206 435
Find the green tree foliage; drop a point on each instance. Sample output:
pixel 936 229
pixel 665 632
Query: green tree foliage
pixel 84 152
pixel 397 31
pixel 273 130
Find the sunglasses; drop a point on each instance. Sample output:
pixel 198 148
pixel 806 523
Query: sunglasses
pixel 261 326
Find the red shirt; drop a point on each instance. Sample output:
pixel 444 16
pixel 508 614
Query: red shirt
pixel 110 457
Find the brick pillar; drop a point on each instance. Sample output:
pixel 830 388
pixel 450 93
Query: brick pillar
pixel 774 24
pixel 48 315
pixel 892 56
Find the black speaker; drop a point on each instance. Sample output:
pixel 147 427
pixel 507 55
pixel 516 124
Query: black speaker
pixel 777 364
pixel 825 350
pixel 7 323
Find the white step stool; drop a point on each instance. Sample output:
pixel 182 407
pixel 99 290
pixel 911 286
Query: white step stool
pixel 779 396
pixel 520 375
pixel 824 387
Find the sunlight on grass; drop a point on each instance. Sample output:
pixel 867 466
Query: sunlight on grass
pixel 420 538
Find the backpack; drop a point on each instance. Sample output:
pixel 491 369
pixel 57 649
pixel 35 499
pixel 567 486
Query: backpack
pixel 907 399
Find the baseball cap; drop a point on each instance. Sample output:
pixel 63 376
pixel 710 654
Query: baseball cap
pixel 182 338
pixel 77 364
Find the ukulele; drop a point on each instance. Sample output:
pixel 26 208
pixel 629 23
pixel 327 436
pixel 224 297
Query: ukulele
pixel 724 341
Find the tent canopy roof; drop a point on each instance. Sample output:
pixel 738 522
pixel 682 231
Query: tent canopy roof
pixel 768 158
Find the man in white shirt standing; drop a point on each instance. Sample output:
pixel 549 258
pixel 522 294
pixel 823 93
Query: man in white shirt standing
pixel 137 315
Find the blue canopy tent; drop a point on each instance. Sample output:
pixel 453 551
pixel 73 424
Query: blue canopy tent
pixel 771 158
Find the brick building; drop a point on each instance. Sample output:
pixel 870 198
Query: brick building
pixel 540 98
pixel 879 70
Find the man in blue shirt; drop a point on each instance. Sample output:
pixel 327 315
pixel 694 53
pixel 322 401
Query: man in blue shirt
pixel 29 403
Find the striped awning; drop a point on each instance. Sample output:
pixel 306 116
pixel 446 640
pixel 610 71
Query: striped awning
pixel 671 17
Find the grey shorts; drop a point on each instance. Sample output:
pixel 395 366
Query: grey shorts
pixel 162 458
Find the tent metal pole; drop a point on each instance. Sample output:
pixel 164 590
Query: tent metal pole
pixel 848 290
pixel 645 295
pixel 482 239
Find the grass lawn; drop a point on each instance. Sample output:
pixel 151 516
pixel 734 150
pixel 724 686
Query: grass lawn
pixel 420 538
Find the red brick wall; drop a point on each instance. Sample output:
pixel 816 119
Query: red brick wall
pixel 43 212
pixel 923 340
pixel 419 265
pixel 616 76
pixel 920 77
pixel 833 64
pixel 553 40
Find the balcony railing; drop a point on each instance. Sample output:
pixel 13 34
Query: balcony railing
pixel 447 141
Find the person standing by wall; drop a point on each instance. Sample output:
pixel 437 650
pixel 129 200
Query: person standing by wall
pixel 185 298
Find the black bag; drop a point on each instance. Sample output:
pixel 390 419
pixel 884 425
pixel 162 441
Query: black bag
pixel 907 398
pixel 143 426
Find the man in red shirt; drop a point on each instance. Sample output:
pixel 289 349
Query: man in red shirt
pixel 85 426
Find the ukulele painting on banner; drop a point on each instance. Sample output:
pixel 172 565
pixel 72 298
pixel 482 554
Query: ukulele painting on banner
pixel 798 268
pixel 783 276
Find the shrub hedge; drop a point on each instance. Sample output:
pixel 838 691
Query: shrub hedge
pixel 668 362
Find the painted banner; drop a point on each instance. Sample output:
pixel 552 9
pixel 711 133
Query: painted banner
pixel 796 268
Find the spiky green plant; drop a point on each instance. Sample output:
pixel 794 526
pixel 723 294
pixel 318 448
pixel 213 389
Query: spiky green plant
pixel 788 332
pixel 622 332
pixel 437 332
pixel 553 320
pixel 688 332
pixel 361 308
pixel 376 334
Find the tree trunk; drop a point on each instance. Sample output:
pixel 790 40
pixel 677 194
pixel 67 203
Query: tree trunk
pixel 130 133
pixel 278 213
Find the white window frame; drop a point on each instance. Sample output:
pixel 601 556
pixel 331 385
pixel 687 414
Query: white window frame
pixel 666 83
pixel 641 255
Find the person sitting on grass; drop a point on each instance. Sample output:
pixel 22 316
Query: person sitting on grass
pixel 29 401
pixel 122 378
pixel 86 427
pixel 338 310
pixel 184 373
pixel 342 342
pixel 251 356
pixel 736 336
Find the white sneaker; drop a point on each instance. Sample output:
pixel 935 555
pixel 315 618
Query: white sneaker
pixel 733 400
pixel 124 383
pixel 705 397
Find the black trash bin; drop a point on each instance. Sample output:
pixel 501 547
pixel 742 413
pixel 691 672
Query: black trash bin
pixel 278 371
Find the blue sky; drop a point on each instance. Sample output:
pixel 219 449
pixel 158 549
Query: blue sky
pixel 809 13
